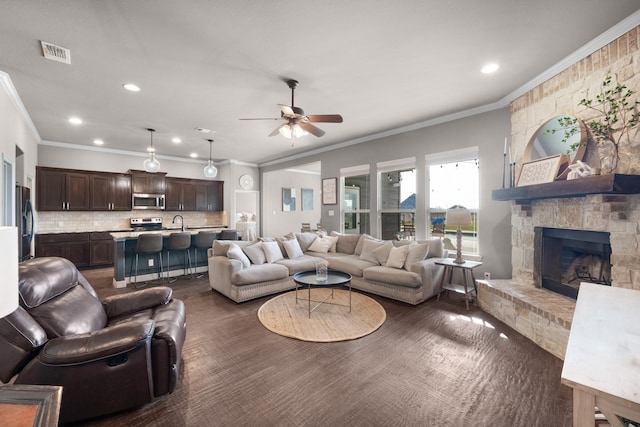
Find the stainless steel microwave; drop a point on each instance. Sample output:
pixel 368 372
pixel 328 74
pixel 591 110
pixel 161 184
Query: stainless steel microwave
pixel 148 201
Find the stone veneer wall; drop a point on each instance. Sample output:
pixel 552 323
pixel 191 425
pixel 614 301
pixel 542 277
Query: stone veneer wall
pixel 541 315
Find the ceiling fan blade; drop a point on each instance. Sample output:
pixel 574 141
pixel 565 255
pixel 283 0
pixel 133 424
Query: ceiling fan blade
pixel 265 118
pixel 326 118
pixel 314 130
pixel 286 110
pixel 276 131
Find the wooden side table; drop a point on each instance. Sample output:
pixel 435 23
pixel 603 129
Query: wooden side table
pixel 467 275
pixel 30 405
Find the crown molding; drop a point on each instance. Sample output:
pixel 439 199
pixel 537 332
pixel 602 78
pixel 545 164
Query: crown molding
pixel 10 89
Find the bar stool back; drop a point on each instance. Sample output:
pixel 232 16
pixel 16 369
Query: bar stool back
pixel 204 240
pixel 180 242
pixel 147 244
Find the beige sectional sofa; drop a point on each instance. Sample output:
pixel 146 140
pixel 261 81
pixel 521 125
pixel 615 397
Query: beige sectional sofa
pixel 401 270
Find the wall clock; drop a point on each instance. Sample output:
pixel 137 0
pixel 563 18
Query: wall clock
pixel 246 182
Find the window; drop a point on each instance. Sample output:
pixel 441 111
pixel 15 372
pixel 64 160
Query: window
pixel 355 200
pixel 454 182
pixel 397 186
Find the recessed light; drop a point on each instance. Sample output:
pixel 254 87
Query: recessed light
pixel 151 149
pixel 176 140
pixel 75 120
pixel 131 87
pixel 490 68
pixel 98 142
pixel 193 155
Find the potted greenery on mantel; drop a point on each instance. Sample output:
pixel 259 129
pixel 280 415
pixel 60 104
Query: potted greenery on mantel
pixel 616 116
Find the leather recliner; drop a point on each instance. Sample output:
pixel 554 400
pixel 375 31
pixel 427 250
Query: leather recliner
pixel 107 355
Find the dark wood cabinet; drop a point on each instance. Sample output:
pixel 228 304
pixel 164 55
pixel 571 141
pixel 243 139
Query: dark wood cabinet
pixel 82 249
pixel 215 196
pixel 73 246
pixel 62 190
pixel 148 183
pixel 180 194
pixel 110 192
pixel 101 248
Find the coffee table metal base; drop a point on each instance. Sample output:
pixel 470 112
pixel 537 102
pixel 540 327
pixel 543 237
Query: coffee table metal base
pixel 307 279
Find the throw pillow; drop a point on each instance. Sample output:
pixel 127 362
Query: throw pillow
pixel 272 251
pixel 363 237
pixel 368 247
pixel 235 252
pixel 382 253
pixel 220 248
pixel 292 247
pixel 417 252
pixel 333 240
pixel 255 253
pixel 305 240
pixel 346 242
pixel 397 256
pixel 321 245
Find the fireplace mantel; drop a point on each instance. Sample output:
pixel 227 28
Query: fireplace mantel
pixel 599 184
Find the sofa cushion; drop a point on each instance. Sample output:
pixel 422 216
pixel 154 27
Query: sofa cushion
pixel 255 253
pixel 346 242
pixel 220 248
pixel 301 263
pixel 259 273
pixel 397 256
pixel 368 248
pixel 351 264
pixel 234 252
pixel 292 248
pixel 393 276
pixel 417 252
pixel 436 246
pixel 272 251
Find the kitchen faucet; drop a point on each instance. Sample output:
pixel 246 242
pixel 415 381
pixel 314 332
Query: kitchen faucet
pixel 181 221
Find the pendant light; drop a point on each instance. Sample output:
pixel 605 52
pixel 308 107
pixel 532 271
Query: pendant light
pixel 210 171
pixel 151 164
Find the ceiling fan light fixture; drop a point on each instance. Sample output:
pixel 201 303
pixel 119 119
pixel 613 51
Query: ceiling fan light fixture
pixel 294 131
pixel 210 171
pixel 151 164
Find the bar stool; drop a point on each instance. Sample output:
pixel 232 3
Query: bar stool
pixel 229 235
pixel 204 240
pixel 179 242
pixel 147 244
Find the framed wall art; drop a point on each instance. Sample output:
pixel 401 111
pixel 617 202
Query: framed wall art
pixel 288 199
pixel 307 199
pixel 540 171
pixel 330 191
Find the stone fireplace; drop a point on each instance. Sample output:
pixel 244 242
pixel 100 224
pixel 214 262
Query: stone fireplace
pixel 563 258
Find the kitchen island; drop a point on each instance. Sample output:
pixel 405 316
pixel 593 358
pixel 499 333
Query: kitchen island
pixel 125 243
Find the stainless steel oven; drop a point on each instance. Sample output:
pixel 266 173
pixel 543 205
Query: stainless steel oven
pixel 147 201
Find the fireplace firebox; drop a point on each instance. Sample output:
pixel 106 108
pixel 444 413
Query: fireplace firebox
pixel 563 258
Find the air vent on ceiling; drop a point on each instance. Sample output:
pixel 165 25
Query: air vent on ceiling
pixel 204 130
pixel 56 53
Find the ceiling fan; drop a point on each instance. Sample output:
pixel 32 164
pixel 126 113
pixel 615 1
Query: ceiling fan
pixel 297 122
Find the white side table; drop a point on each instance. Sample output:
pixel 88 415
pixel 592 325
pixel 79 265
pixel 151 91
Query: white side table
pixel 247 229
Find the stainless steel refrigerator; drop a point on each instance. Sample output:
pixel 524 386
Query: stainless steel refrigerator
pixel 24 221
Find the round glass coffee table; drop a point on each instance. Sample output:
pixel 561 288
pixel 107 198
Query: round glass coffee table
pixel 308 280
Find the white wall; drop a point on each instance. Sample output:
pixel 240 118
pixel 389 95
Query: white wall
pixel 486 131
pixel 275 222
pixel 15 131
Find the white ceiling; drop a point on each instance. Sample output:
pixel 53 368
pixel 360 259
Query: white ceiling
pixel 383 65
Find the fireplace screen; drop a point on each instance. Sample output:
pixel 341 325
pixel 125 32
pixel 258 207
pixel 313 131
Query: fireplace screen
pixel 565 258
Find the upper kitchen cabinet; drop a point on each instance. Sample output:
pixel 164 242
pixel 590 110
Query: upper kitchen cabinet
pixel 148 183
pixel 209 195
pixel 62 190
pixel 110 192
pixel 180 194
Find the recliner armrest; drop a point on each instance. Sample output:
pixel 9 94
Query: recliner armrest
pixel 131 302
pixel 110 341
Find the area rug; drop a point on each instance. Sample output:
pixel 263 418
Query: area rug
pixel 328 323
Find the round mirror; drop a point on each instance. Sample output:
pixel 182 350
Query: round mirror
pixel 561 135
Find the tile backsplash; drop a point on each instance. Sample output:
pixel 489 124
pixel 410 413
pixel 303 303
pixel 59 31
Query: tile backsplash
pixel 69 222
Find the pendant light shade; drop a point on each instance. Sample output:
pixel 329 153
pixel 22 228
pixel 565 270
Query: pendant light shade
pixel 210 171
pixel 151 164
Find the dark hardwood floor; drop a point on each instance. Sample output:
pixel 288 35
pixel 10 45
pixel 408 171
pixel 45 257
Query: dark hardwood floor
pixel 435 364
